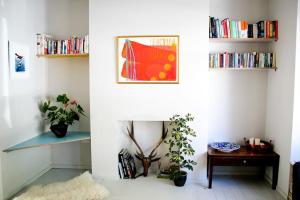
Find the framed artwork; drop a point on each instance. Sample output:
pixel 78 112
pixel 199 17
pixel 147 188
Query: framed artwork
pixel 148 59
pixel 18 60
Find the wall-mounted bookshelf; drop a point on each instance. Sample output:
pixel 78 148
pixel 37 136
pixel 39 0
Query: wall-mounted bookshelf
pixel 244 69
pixel 254 40
pixel 52 48
pixel 240 31
pixel 63 55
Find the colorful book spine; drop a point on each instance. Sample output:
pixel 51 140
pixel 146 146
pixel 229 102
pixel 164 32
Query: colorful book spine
pixel 126 165
pixel 242 60
pixel 242 29
pixel 74 45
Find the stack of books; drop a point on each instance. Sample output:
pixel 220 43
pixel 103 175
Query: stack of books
pixel 242 60
pixel 227 28
pixel 126 166
pixel 74 45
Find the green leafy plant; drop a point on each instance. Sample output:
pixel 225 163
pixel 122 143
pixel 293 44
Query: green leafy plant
pixel 64 111
pixel 180 145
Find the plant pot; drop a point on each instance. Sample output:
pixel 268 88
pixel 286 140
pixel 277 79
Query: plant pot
pixel 60 130
pixel 180 179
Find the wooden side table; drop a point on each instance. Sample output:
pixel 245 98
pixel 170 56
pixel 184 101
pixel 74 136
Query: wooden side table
pixel 242 157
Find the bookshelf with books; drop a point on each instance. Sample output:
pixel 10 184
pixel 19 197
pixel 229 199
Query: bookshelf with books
pixel 71 47
pixel 241 29
pixel 227 30
pixel 250 60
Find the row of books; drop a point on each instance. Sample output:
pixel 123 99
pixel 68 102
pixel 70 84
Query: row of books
pixel 242 60
pixel 126 165
pixel 74 45
pixel 227 28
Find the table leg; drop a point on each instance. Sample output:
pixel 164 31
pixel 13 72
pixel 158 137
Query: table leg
pixel 210 173
pixel 207 165
pixel 275 174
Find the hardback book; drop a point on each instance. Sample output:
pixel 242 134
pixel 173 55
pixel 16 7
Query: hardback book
pixel 250 30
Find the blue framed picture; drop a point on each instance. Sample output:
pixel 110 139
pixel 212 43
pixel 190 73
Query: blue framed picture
pixel 19 60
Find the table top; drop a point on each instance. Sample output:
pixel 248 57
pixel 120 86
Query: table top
pixel 242 152
pixel 49 138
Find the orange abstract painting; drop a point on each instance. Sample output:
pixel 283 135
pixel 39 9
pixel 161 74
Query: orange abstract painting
pixel 148 59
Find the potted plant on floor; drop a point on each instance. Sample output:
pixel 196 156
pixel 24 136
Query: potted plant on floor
pixel 62 114
pixel 180 148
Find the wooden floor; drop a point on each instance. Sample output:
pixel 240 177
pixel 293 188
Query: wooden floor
pixel 150 188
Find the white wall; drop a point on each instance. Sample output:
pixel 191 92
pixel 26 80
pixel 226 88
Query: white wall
pixel 3 62
pixel 20 118
pixel 281 86
pixel 70 75
pixel 112 102
pixel 295 150
pixel 237 99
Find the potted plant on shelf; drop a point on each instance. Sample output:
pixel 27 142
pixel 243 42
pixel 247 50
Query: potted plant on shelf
pixel 180 148
pixel 61 115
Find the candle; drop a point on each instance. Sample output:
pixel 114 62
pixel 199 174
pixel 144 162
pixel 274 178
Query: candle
pixel 251 141
pixel 257 141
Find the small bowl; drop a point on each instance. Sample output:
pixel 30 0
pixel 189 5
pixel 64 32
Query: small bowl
pixel 225 147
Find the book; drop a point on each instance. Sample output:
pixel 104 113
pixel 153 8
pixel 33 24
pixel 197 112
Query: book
pixel 242 60
pixel 74 45
pixel 126 165
pixel 226 28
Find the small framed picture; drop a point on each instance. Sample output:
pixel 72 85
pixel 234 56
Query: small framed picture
pixel 18 60
pixel 148 59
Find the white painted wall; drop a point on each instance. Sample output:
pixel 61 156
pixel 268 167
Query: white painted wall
pixel 112 102
pixel 279 118
pixel 4 77
pixel 70 75
pixel 295 150
pixel 20 117
pixel 237 99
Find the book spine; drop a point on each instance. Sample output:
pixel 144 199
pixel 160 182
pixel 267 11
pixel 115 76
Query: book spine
pixel 38 44
pixel 276 29
pixel 121 160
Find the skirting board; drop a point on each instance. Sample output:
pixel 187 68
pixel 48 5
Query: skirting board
pixel 69 166
pixel 278 189
pixel 29 181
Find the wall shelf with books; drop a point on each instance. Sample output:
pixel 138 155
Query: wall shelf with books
pixel 63 55
pixel 232 32
pixel 241 29
pixel 247 60
pixel 52 48
pixel 244 69
pixel 254 40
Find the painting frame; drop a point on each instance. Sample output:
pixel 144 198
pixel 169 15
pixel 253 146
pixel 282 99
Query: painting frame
pixel 19 60
pixel 120 59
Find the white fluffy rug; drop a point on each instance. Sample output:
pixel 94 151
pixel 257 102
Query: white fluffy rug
pixel 82 187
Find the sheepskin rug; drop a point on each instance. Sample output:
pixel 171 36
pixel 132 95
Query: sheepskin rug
pixel 82 187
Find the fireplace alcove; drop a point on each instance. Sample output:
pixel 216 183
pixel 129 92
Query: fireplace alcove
pixel 147 135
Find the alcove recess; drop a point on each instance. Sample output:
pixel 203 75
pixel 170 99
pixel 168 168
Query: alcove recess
pixel 147 135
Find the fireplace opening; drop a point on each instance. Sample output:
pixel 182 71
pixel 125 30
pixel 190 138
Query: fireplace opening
pixel 142 149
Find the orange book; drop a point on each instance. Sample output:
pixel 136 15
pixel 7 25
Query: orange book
pixel 244 29
pixel 267 29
